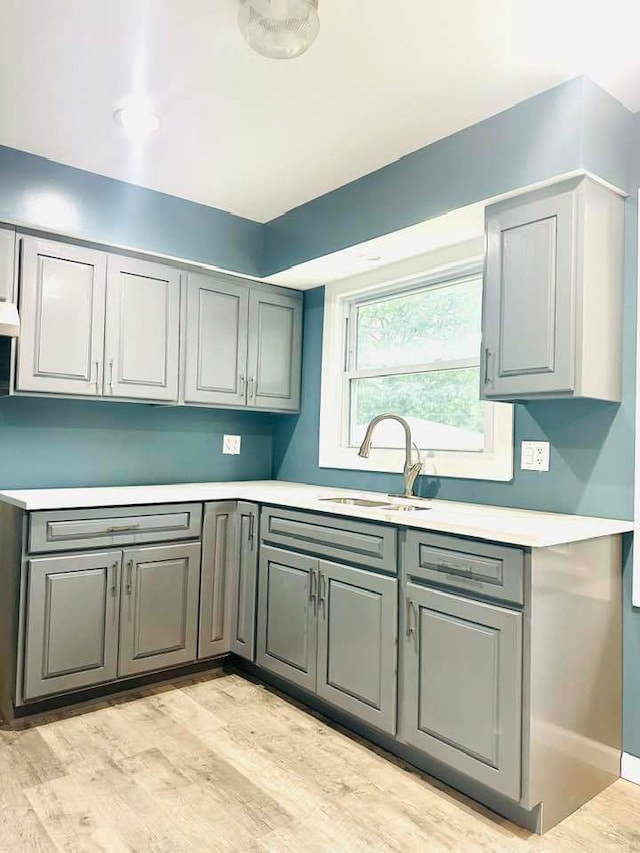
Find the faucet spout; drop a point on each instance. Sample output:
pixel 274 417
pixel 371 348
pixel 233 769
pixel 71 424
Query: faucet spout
pixel 411 469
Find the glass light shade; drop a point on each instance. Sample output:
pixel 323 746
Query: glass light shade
pixel 279 29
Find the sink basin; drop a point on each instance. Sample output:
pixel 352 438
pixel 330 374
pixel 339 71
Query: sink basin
pixel 368 502
pixel 354 501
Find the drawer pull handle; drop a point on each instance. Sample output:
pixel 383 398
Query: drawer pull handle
pixel 458 570
pixel 123 528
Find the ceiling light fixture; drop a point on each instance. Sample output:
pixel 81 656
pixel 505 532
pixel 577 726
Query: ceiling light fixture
pixel 279 29
pixel 138 122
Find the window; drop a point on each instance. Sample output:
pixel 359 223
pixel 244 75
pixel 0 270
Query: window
pixel 411 348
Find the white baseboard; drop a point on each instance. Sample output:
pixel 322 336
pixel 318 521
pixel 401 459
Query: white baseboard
pixel 630 768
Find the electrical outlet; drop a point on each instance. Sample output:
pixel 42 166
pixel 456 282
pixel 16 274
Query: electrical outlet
pixel 231 444
pixel 534 456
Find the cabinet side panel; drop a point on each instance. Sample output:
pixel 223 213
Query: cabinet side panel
pixel 601 260
pixel 10 560
pixel 575 685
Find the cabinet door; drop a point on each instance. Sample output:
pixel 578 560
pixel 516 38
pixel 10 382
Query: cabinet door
pixel 287 626
pixel 358 643
pixel 529 293
pixel 462 684
pixel 7 260
pixel 142 330
pixel 159 607
pixel 275 342
pixel 62 292
pixel 216 341
pixel 71 638
pixel 218 561
pixel 244 579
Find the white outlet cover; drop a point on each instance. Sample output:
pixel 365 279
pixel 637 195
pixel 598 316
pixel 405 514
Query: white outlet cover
pixel 231 444
pixel 534 456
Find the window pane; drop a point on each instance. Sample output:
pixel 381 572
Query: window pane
pixel 442 408
pixel 423 326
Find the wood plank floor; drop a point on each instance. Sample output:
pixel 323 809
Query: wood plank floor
pixel 222 764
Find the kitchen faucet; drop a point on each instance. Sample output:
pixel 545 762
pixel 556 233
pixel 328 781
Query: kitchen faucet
pixel 411 469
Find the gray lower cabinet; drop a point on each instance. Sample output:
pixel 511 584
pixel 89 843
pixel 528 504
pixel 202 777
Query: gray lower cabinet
pixel 462 685
pixel 357 643
pixel 244 579
pixel 72 622
pixel 159 607
pixel 218 561
pixel 331 629
pixel 287 625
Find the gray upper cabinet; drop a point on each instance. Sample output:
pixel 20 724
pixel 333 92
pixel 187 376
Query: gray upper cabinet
pixel 553 294
pixel 62 319
pixel 287 626
pixel 71 622
pixel 218 561
pixel 216 341
pixel 7 263
pixel 275 347
pixel 142 330
pixel 244 580
pixel 462 685
pixel 357 643
pixel 159 609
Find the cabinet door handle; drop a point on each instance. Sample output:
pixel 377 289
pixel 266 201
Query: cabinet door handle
pixel 321 590
pixel 251 534
pixel 111 376
pixel 252 384
pixel 97 379
pixel 487 356
pixel 129 576
pixel 312 588
pixel 114 579
pixel 242 386
pixel 410 630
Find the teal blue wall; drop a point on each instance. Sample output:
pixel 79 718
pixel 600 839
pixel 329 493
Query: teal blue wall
pixel 115 212
pixel 78 443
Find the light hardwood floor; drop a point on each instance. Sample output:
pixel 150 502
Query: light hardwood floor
pixel 222 764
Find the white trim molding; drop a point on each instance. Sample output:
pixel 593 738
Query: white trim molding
pixel 630 768
pixel 494 462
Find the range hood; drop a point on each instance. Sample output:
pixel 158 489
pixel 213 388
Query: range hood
pixel 9 320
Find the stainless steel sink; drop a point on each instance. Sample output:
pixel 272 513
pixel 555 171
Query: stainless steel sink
pixel 394 506
pixel 354 501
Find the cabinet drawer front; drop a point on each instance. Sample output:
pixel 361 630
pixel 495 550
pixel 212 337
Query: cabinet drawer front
pixel 496 571
pixel 61 530
pixel 370 545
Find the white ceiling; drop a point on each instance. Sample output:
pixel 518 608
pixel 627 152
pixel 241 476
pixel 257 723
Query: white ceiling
pixel 258 137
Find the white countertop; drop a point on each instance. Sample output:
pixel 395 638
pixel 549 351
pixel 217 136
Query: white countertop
pixel 498 524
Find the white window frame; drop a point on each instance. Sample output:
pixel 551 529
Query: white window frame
pixel 495 462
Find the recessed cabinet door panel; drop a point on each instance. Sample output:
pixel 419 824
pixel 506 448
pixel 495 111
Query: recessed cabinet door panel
pixel 72 622
pixel 142 330
pixel 216 348
pixel 462 685
pixel 529 291
pixel 244 579
pixel 62 291
pixel 218 561
pixel 275 330
pixel 159 613
pixel 287 628
pixel 7 260
pixel 357 643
